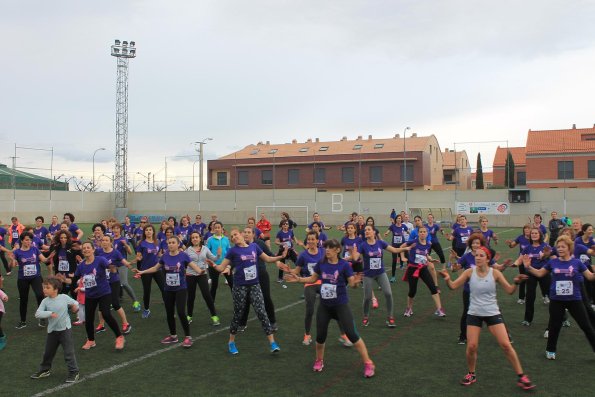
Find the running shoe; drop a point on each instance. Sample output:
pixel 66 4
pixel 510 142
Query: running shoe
pixel 9 273
pixel 525 323
pixel 307 340
pixel 120 342
pixel 462 341
pixel 232 348
pixel 468 380
pixel 215 320
pixel 275 347
pixel 525 383
pixel 2 342
pixel 546 300
pixel 440 312
pixel 189 318
pixel 520 301
pixel 187 342
pixel 136 306
pixel 43 322
pixel 566 323
pixel 89 344
pixel 393 279
pixel 146 313
pixel 345 341
pixel 41 374
pixel 169 339
pixel 365 322
pixel 72 377
pixel 369 369
pixel 100 328
pixel 390 322
pixel 21 325
pixel 546 334
pixel 374 303
pixel 126 328
pixel 242 328
pixel 280 280
pixel 77 323
pixel 318 365
pixel 550 355
pixel 408 312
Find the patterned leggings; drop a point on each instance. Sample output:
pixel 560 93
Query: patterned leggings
pixel 240 296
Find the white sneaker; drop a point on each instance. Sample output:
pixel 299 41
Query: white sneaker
pixel 546 300
pixel 521 301
pixel 546 334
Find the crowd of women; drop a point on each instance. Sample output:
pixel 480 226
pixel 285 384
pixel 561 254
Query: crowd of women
pixel 179 257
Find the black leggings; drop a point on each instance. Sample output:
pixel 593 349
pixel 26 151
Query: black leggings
pixel 424 275
pixel 463 324
pixel 116 288
pixel 265 287
pixel 4 261
pixel 291 254
pixel 214 275
pixel 522 284
pixel 104 303
pixel 590 286
pixel 344 317
pixel 532 282
pixel 1 332
pixel 203 283
pixel 396 258
pixel 578 312
pixel 146 279
pixel 177 300
pixel 23 286
pixel 437 248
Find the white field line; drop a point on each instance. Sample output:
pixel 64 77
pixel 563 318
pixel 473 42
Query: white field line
pixel 144 357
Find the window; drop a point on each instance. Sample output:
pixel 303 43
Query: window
pixel 565 169
pixel 379 146
pixel 293 176
pixel 303 150
pixel 273 151
pixel 347 174
pixel 357 147
pixel 521 178
pixel 407 173
pixel 323 148
pixel 448 178
pixel 222 178
pixel 376 174
pixel 255 151
pixel 320 175
pixel 266 177
pixel 591 170
pixel 588 137
pixel 243 178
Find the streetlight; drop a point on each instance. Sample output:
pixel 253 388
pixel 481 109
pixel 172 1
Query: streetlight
pixel 200 150
pixel 405 167
pixel 193 181
pixel 94 153
pixel 148 176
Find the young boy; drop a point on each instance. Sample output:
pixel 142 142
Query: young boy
pixel 55 308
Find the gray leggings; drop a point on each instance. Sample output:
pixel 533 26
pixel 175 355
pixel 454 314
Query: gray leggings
pixel 383 282
pixel 123 271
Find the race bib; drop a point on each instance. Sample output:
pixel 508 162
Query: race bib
pixel 172 279
pixel 584 258
pixel 29 270
pixel 107 274
pixel 375 263
pixel 63 266
pixel 328 291
pixel 250 273
pixel 89 281
pixel 564 288
pixel 464 239
pixel 15 235
pixel 287 244
pixel 397 239
pixel 311 268
pixel 421 259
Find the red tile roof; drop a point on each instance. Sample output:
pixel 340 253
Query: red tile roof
pixel 518 156
pixel 448 159
pixel 574 140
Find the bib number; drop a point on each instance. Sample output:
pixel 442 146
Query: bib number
pixel 63 266
pixel 89 281
pixel 464 239
pixel 29 270
pixel 375 263
pixel 250 273
pixel 421 259
pixel 397 239
pixel 311 268
pixel 328 291
pixel 287 244
pixel 15 235
pixel 564 288
pixel 172 279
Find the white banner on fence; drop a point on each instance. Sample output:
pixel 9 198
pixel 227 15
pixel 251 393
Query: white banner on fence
pixel 483 207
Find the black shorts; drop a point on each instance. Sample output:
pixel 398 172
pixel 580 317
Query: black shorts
pixel 477 321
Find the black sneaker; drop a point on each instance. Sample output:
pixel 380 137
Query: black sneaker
pixel 43 322
pixel 462 341
pixel 72 377
pixel 41 374
pixel 21 325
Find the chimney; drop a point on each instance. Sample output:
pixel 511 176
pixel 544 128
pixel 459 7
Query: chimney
pixel 294 141
pixel 445 150
pixel 359 138
pixel 574 126
pixel 309 140
pixel 414 135
pixel 343 139
pixel 259 143
pixel 397 136
pixel 369 137
pixel 268 142
pixel 317 140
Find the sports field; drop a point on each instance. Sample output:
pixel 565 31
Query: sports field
pixel 420 357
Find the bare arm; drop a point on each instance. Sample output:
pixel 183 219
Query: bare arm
pixel 462 279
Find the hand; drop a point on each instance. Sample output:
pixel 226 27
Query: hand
pixel 135 270
pixel 526 261
pixel 507 263
pixel 357 278
pixel 430 259
pixel 509 242
pixel 444 274
pixel 283 266
pixel 227 270
pixel 79 259
pixel 521 277
pixel 5 298
pixel 456 267
pixel 284 254
pixel 496 257
pixel 54 315
pixel 290 277
pixel 74 308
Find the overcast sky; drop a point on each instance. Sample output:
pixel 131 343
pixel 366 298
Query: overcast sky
pixel 244 71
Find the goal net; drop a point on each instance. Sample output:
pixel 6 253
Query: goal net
pixel 300 214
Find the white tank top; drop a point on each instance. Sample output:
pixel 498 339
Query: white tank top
pixel 482 300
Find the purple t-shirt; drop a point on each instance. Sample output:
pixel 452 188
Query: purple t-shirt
pixel 461 235
pixel 199 228
pixel 349 243
pixel 40 233
pixel 73 229
pixel 399 233
pixel 419 253
pixel 94 277
pixel 333 291
pixel 120 246
pixel 306 261
pixel 523 242
pixel 432 230
pixel 488 235
pixel 174 267
pixel 372 254
pixel 183 232
pixel 129 230
pixel 286 238
pixel 535 252
pixel 113 258
pixel 149 253
pixel 28 262
pixel 566 279
pixel 243 261
pixel 54 228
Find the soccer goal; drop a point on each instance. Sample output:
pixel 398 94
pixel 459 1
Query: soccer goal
pixel 300 214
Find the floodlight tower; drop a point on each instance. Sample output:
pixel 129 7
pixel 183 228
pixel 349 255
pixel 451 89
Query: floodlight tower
pixel 123 51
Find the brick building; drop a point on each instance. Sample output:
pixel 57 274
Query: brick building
pixel 488 180
pixel 520 166
pixel 372 164
pixel 456 170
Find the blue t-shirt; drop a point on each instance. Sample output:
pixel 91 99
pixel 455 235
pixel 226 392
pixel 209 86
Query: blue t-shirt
pixel 2 236
pixel 349 243
pixel 28 262
pixel 183 232
pixel 199 228
pixel 54 228
pixel 286 238
pixel 566 279
pixel 523 242
pixel 333 291
pixel 373 264
pixel 40 233
pixel 149 253
pixel 535 252
pixel 306 261
pixel 399 233
pixel 138 233
pixel 94 277
pixel 419 253
pixel 244 263
pixel 578 242
pixel 213 244
pixel 322 237
pixel 120 246
pixel 415 235
pixel 542 229
pixel 175 270
pixel 461 235
pixel 113 258
pixel 488 235
pixel 581 253
pixel 73 229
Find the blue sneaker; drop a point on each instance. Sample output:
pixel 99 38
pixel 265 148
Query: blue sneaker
pixel 2 342
pixel 146 313
pixel 232 348
pixel 275 347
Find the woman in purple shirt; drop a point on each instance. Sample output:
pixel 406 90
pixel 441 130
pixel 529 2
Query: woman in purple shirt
pixel 146 257
pixel 523 241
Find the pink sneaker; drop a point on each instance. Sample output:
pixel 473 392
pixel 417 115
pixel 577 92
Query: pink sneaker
pixel 77 323
pixel 318 366
pixel 169 339
pixel 369 369
pixel 374 303
pixel 89 344
pixel 440 312
pixel 187 342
